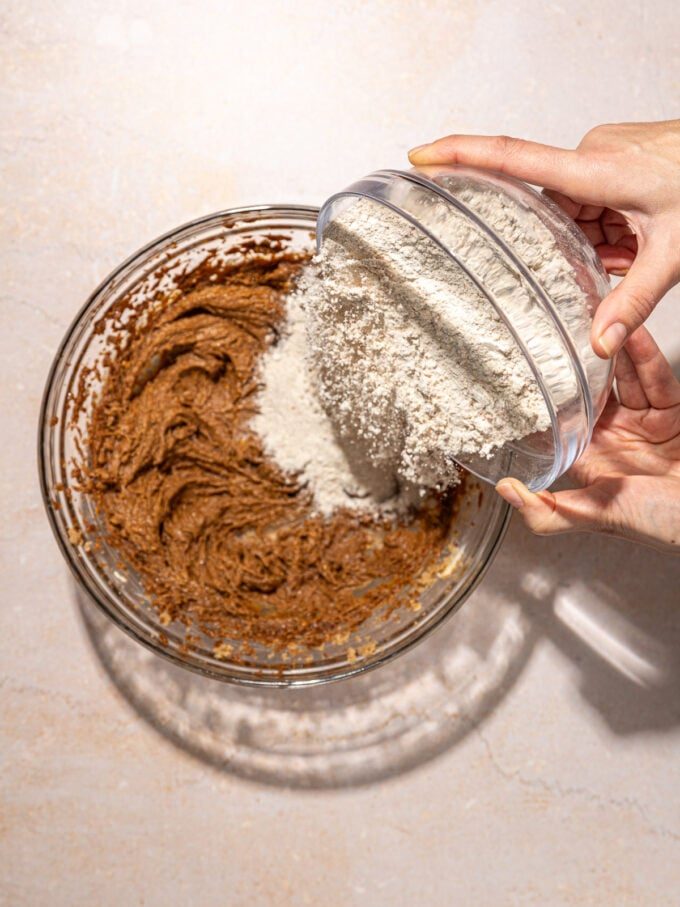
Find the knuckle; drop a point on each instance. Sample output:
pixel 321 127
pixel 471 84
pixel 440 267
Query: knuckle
pixel 542 531
pixel 640 303
pixel 508 146
pixel 539 523
pixel 597 135
pixel 619 518
pixel 617 528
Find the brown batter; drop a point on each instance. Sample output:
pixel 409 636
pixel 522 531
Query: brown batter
pixel 222 539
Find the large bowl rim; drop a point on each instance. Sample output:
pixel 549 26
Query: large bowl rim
pixel 82 578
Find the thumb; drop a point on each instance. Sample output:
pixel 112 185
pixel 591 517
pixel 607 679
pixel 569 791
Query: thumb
pixel 547 514
pixel 655 270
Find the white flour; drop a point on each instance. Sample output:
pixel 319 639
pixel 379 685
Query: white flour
pixel 394 363
pixel 297 432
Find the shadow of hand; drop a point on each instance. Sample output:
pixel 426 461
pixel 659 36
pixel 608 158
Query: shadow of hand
pixel 613 609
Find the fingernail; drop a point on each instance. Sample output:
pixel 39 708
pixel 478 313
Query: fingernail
pixel 510 494
pixel 418 148
pixel 612 339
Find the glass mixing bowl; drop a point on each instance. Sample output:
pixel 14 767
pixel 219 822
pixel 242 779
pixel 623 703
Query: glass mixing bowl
pixel 546 293
pixel 117 589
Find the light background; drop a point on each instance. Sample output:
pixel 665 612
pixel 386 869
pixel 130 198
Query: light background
pixel 531 753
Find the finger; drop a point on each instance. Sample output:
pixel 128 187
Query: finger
pixel 593 230
pixel 653 273
pixel 607 230
pixel 547 514
pixel 628 384
pixel 616 228
pixel 655 375
pixel 565 171
pixel 626 241
pixel 568 205
pixel 590 213
pixel 616 260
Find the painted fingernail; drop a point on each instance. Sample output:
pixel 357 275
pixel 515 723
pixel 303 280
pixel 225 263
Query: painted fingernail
pixel 510 494
pixel 612 339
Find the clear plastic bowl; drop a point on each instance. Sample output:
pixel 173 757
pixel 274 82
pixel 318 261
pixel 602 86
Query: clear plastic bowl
pixel 116 588
pixel 545 293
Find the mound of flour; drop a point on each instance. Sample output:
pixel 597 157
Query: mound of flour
pixel 302 438
pixel 393 364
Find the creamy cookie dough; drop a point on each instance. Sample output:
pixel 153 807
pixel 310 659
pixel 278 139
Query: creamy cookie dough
pixel 224 540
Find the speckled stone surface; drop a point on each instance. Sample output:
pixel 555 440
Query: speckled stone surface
pixel 529 753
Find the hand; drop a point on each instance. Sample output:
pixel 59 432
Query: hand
pixel 621 185
pixel 630 473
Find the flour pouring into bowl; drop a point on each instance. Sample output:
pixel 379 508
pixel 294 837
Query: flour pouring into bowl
pixel 426 336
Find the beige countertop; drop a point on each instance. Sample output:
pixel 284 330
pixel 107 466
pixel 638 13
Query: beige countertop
pixel 529 752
